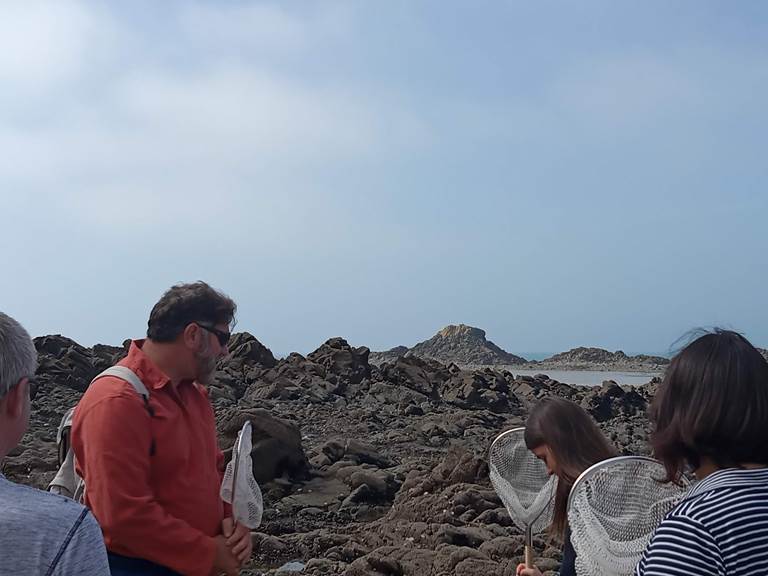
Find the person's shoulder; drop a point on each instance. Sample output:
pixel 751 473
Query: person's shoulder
pixel 42 532
pixel 106 392
pixel 106 386
pixel 727 509
pixel 691 509
pixel 26 502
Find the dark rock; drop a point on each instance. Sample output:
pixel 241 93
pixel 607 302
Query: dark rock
pixel 398 481
pixel 362 493
pixel 355 450
pixel 277 447
pixel 246 350
pixel 460 344
pixel 389 356
pixel 486 390
pixel 393 561
pixel 376 481
pixel 462 536
pixel 64 362
pixel 296 377
pixel 597 358
pixel 392 394
pixel 339 358
pixel 611 400
pixel 417 374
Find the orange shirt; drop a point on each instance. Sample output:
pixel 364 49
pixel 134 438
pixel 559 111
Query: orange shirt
pixel 163 507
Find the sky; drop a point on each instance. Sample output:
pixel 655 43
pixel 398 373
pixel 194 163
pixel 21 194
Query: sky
pixel 559 174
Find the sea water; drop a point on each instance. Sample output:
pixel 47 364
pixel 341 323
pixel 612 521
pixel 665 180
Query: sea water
pixel 589 377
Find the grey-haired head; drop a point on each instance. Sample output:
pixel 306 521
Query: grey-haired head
pixel 18 357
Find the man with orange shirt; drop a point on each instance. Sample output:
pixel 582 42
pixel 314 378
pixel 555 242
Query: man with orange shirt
pixel 152 466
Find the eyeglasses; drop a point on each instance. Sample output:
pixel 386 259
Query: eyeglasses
pixel 223 337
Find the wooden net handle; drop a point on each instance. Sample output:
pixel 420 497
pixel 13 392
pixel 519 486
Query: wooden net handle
pixel 528 556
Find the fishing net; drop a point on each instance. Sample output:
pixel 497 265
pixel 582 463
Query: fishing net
pixel 522 483
pixel 614 508
pixel 239 488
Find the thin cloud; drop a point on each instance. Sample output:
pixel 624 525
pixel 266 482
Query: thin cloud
pixel 255 28
pixel 44 45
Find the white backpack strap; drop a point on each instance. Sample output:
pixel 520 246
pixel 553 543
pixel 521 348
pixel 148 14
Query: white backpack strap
pixel 66 481
pixel 65 425
pixel 128 375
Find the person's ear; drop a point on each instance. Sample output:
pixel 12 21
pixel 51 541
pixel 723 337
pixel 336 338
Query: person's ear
pixel 192 335
pixel 15 400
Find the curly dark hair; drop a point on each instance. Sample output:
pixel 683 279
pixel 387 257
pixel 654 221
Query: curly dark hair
pixel 183 304
pixel 712 403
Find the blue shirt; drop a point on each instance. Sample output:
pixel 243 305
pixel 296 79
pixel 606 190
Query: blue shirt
pixel 47 535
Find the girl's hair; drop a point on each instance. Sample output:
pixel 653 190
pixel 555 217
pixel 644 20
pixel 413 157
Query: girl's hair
pixel 712 403
pixel 574 440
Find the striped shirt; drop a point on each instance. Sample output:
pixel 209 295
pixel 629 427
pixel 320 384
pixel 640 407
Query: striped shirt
pixel 720 528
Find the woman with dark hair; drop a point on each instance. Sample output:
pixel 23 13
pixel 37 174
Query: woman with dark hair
pixel 567 439
pixel 710 416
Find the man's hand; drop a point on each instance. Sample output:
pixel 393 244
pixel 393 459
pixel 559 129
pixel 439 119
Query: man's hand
pixel 238 539
pixel 225 562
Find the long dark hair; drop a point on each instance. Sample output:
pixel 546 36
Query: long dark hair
pixel 575 442
pixel 712 403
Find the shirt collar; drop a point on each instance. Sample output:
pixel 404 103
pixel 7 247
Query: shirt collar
pixel 145 369
pixel 730 478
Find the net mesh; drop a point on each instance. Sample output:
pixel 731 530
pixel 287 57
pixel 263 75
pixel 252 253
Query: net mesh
pixel 521 481
pixel 247 503
pixel 614 509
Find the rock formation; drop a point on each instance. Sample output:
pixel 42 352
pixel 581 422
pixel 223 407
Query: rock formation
pixel 468 347
pixel 460 344
pixel 599 359
pixel 366 470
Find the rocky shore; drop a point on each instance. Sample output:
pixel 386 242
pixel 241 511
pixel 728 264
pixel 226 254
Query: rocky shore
pixel 460 344
pixel 599 359
pixel 468 347
pixel 366 469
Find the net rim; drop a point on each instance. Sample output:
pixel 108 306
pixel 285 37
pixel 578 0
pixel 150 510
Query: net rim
pixel 238 455
pixel 502 435
pixel 598 553
pixel 246 428
pixel 521 517
pixel 592 470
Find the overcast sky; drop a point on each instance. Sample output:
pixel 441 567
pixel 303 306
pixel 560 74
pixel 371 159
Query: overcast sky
pixel 556 173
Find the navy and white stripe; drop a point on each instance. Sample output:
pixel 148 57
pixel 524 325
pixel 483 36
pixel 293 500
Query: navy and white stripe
pixel 720 528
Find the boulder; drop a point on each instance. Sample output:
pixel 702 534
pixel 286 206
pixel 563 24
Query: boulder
pixel 277 447
pixel 423 376
pixel 246 351
pixel 480 390
pixel 354 450
pixel 339 358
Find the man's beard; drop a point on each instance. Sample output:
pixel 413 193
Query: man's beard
pixel 206 368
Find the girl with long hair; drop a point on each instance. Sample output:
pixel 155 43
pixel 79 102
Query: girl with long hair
pixel 566 438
